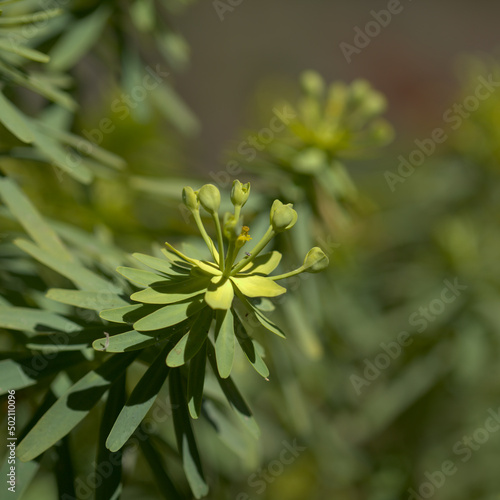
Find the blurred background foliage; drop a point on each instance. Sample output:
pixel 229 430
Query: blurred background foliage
pixel 392 252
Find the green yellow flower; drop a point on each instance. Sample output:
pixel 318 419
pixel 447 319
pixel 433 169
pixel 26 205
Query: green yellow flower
pixel 190 299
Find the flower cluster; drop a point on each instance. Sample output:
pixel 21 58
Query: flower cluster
pixel 183 296
pixel 338 121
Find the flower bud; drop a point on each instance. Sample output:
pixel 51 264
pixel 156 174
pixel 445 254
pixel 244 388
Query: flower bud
pixel 312 83
pixel 315 261
pixel 209 197
pixel 282 217
pixel 240 193
pixel 190 199
pixel 231 226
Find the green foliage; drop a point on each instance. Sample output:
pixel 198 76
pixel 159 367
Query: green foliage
pixel 146 360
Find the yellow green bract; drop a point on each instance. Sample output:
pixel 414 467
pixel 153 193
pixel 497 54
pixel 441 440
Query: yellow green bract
pixel 182 295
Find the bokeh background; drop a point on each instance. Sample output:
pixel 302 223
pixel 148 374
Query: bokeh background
pixel 260 45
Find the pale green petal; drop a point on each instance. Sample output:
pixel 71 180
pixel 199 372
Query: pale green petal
pixel 220 293
pixel 258 286
pixel 263 264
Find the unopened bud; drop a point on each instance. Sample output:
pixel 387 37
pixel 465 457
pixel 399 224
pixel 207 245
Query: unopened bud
pixel 282 216
pixel 209 197
pixel 312 83
pixel 240 193
pixel 190 199
pixel 315 261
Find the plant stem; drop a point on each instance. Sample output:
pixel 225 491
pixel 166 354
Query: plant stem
pixel 220 241
pixel 301 269
pixel 204 234
pixel 257 249
pixel 237 210
pixel 230 256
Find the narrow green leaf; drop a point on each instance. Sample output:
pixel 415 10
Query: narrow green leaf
pixel 91 149
pixel 33 17
pixel 169 315
pixel 155 462
pixel 165 266
pixel 110 487
pixel 243 444
pixel 196 381
pixel 169 292
pixel 190 343
pixel 122 342
pixel 140 402
pixel 267 323
pixel 61 158
pixel 71 408
pixel 127 314
pixel 35 320
pixel 64 471
pixel 233 396
pixel 13 119
pixel 139 276
pixel 174 49
pixel 224 342
pixel 173 108
pixel 31 220
pixel 77 41
pixel 20 373
pixel 37 84
pixel 23 51
pixel 303 328
pixel 175 357
pixel 143 15
pixel 133 340
pixel 263 304
pixel 58 342
pixel 252 318
pixel 251 348
pixel 185 438
pixel 96 301
pixel 81 277
pixel 6 2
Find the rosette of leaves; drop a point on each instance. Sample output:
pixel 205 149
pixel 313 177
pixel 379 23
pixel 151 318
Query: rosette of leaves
pixel 54 340
pixel 184 297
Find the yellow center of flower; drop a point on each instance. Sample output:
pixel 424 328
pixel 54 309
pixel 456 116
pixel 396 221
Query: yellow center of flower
pixel 243 237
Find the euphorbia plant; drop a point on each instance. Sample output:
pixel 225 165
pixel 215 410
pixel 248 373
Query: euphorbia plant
pixel 183 296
